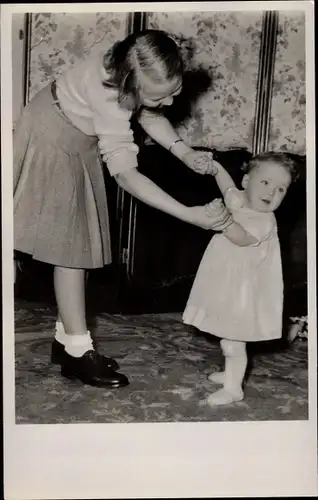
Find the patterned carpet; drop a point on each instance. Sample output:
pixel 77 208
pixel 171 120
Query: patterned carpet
pixel 167 365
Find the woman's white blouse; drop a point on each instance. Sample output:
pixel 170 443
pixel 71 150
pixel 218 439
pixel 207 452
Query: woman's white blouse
pixel 94 109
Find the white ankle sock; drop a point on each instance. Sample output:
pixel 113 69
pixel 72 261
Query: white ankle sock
pixel 235 367
pixel 217 377
pixel 60 332
pixel 77 344
pixel 224 397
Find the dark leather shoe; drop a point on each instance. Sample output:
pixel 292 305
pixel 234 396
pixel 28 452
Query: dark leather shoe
pixel 91 369
pixel 58 352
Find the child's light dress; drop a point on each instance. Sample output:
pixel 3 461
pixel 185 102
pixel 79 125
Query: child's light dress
pixel 238 291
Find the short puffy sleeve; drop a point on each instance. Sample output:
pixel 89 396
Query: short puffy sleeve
pixel 234 198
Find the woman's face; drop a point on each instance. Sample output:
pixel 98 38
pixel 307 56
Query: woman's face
pixel 155 95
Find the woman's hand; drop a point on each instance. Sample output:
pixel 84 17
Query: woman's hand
pixel 213 216
pixel 200 162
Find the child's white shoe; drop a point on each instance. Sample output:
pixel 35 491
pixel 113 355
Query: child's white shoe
pixel 217 377
pixel 223 397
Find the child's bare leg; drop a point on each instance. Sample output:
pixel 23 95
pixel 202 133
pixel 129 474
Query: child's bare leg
pixel 235 368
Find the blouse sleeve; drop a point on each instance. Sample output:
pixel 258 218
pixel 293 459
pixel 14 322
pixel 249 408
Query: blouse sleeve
pixel 112 126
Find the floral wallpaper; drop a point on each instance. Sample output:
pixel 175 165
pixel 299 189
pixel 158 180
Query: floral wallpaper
pixel 60 40
pixel 224 45
pixel 288 117
pixel 227 46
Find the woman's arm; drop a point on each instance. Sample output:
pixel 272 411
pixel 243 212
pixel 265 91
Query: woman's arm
pixel 147 191
pixel 160 129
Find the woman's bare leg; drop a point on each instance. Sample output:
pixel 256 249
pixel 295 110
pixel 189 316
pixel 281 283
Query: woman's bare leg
pixel 59 327
pixel 69 285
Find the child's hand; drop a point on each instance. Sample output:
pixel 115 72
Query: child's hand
pixel 200 162
pixel 217 208
pixel 216 220
pixel 216 204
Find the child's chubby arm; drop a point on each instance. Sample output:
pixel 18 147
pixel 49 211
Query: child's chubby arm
pixel 239 236
pixel 222 177
pixel 234 231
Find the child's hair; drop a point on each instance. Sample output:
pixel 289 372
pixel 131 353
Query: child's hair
pixel 152 53
pixel 284 160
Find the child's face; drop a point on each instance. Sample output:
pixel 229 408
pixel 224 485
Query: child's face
pixel 266 186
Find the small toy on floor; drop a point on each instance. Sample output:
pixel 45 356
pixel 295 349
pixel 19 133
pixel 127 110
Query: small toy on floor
pixel 298 329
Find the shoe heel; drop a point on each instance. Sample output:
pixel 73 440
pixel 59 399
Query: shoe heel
pixel 57 353
pixel 55 359
pixel 68 375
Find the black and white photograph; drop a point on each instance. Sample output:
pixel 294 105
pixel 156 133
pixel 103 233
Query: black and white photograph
pixel 159 245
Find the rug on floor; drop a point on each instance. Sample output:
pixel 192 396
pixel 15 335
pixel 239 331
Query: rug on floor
pixel 167 364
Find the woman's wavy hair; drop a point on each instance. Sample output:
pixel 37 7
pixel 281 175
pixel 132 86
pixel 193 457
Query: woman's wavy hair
pixel 150 53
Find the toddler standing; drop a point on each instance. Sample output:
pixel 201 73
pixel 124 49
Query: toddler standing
pixel 237 294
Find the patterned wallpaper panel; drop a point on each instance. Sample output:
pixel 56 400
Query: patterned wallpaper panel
pixel 227 46
pixel 288 123
pixel 60 40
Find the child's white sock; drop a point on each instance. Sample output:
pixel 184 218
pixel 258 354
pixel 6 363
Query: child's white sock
pixel 235 367
pixel 223 397
pixel 77 344
pixel 217 377
pixel 231 391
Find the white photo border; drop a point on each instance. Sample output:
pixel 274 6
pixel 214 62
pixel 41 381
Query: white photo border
pixel 155 460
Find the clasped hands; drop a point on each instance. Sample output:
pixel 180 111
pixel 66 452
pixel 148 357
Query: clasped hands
pixel 200 162
pixel 213 215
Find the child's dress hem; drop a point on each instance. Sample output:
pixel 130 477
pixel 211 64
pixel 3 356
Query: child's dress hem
pixel 199 319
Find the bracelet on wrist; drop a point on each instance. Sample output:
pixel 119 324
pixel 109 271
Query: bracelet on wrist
pixel 174 142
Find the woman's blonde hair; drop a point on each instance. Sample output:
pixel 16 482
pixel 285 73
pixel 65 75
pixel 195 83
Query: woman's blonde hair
pixel 150 53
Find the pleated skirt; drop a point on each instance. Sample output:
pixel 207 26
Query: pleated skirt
pixel 60 203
